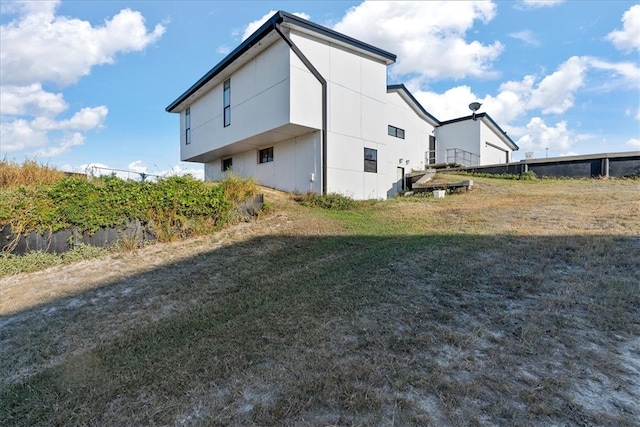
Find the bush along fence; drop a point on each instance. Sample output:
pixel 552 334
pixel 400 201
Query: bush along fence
pixel 103 211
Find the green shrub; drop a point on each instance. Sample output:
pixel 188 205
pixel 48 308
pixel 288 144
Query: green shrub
pixel 331 201
pixel 173 207
pixel 525 176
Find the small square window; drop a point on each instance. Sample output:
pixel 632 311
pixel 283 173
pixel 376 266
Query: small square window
pixel 265 155
pixel 227 164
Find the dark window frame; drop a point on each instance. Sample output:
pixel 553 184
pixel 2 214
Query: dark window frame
pixel 187 126
pixel 265 155
pixel 395 131
pixel 226 103
pixel 370 160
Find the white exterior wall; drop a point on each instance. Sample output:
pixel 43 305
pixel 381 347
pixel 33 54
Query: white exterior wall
pixel 356 92
pixel 413 148
pixel 259 102
pixel 461 135
pixel 491 155
pixel 294 160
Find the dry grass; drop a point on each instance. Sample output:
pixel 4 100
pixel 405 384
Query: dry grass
pixel 29 172
pixel 515 304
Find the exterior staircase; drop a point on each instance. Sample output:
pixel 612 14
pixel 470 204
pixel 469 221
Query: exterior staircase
pixel 428 176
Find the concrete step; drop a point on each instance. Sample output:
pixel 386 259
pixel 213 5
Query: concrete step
pixel 428 176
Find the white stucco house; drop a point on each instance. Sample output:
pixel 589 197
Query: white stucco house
pixel 303 108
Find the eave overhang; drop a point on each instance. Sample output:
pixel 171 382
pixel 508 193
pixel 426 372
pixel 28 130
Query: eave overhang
pixel 404 93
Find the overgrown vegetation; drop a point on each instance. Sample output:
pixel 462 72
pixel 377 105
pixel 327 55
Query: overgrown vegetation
pixel 171 208
pixel 331 201
pixel 30 172
pixel 39 260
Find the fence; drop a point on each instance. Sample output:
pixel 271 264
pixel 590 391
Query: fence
pixel 585 166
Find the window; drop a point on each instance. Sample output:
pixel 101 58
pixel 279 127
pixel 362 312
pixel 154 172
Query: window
pixel 265 155
pixel 394 131
pixel 370 160
pixel 226 102
pixel 187 126
pixel 227 164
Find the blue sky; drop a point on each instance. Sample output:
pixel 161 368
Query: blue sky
pixel 87 82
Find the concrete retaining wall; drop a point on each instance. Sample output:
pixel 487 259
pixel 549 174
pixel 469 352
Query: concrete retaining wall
pixel 64 240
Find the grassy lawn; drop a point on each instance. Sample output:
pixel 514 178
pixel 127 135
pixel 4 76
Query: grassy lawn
pixel 517 303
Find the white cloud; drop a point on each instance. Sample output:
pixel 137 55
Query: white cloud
pixel 20 134
pixel 254 25
pixel 61 145
pixel 223 50
pixel 555 93
pixel 42 132
pixel 138 166
pixel 428 37
pixel 622 73
pixel 30 100
pixel 627 39
pixel 526 36
pixel 536 4
pixel 634 142
pixel 69 47
pixel 538 136
pixel 40 47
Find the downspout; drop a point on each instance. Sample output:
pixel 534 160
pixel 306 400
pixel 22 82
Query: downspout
pixel 323 82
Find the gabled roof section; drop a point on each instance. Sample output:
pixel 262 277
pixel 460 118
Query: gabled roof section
pixel 288 19
pixel 486 119
pixel 409 99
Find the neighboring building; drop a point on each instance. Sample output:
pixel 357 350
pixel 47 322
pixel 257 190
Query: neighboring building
pixel 474 140
pixel 303 108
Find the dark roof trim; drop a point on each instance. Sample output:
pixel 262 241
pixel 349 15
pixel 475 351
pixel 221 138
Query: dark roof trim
pixel 403 88
pixel 489 119
pixel 278 18
pixel 303 23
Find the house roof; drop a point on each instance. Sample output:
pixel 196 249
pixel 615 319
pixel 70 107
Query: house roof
pixel 486 119
pixel 279 17
pixel 408 97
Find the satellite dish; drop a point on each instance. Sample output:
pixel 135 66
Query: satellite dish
pixel 474 106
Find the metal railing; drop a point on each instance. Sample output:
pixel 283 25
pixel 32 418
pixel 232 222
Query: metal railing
pixel 93 171
pixel 452 156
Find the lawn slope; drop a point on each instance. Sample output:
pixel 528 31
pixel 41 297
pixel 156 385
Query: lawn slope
pixel 516 303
